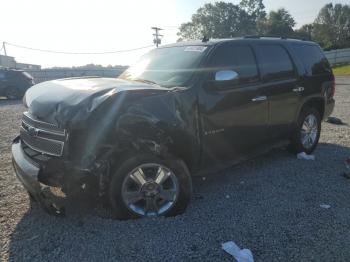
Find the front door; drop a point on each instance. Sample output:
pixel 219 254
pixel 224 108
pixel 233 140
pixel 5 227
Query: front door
pixel 234 118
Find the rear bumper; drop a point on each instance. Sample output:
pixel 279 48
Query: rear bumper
pixel 27 173
pixel 329 107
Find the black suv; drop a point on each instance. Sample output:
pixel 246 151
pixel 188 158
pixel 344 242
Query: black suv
pixel 14 83
pixel 183 109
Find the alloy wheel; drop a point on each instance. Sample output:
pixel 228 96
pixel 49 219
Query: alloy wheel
pixel 150 190
pixel 309 131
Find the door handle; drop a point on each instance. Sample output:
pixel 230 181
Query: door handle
pixel 298 89
pixel 259 98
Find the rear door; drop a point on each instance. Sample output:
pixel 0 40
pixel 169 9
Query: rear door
pixel 282 87
pixel 234 118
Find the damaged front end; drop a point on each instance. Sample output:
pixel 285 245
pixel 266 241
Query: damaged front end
pixel 60 142
pixel 28 173
pixel 41 172
pixel 77 130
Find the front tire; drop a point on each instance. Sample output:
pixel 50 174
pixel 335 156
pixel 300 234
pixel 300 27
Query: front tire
pixel 147 186
pixel 307 133
pixel 12 93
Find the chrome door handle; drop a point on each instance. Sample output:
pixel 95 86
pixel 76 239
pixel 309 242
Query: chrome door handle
pixel 259 98
pixel 298 89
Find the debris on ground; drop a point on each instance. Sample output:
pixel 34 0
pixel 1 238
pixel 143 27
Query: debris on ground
pixel 227 196
pixel 241 255
pixel 335 120
pixel 305 156
pixel 325 206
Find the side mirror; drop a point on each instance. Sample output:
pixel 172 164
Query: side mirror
pixel 222 80
pixel 226 75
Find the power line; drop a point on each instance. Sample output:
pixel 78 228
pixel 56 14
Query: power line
pixel 77 53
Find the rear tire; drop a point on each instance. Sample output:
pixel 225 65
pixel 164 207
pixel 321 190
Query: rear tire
pixel 176 170
pixel 307 132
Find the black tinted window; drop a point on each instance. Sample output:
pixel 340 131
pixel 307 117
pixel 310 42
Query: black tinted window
pixel 168 66
pixel 238 58
pixel 276 62
pixel 313 59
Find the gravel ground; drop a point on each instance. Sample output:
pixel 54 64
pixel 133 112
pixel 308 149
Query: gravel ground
pixel 270 205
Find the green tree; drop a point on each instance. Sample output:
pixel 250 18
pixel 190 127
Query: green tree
pixel 305 32
pixel 223 20
pixel 278 23
pixel 332 26
pixel 256 12
pixel 254 8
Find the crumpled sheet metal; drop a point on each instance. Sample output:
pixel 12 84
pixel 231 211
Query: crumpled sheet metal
pixel 73 99
pixel 126 115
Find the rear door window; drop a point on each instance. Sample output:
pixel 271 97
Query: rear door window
pixel 239 58
pixel 276 63
pixel 314 60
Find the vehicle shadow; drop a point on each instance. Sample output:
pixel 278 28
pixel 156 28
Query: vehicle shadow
pixel 269 203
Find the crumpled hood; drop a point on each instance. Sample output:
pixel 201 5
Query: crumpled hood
pixel 59 101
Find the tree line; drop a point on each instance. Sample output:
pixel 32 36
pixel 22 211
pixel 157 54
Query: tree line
pixel 331 28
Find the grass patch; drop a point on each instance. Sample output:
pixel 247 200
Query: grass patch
pixel 342 70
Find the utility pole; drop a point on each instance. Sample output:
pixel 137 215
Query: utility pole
pixel 4 47
pixel 157 41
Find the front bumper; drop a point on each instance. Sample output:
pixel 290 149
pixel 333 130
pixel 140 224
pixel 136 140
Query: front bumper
pixel 28 172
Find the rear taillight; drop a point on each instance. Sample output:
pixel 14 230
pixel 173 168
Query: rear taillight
pixel 332 91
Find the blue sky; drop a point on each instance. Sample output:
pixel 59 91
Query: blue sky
pixel 103 25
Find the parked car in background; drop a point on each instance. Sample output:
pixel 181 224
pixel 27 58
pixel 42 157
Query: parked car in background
pixel 182 110
pixel 14 83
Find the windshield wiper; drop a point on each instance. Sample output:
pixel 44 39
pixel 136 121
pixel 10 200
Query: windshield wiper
pixel 145 81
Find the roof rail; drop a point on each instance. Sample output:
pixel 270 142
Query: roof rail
pixel 272 36
pixel 251 36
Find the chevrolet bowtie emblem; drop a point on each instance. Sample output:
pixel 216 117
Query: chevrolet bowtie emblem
pixel 33 131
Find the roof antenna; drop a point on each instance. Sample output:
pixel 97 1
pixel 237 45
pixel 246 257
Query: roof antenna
pixel 205 39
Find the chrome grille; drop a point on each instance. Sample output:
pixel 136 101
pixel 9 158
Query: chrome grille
pixel 27 118
pixel 43 137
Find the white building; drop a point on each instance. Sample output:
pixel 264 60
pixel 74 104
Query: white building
pixel 10 62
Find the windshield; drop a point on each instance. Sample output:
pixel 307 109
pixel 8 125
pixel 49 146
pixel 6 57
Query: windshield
pixel 168 67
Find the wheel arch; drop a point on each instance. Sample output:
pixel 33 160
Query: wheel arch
pixel 161 144
pixel 163 126
pixel 315 102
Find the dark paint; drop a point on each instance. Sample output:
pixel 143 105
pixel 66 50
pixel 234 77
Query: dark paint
pixel 10 78
pixel 206 126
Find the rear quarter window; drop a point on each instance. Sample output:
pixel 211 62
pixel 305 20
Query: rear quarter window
pixel 313 59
